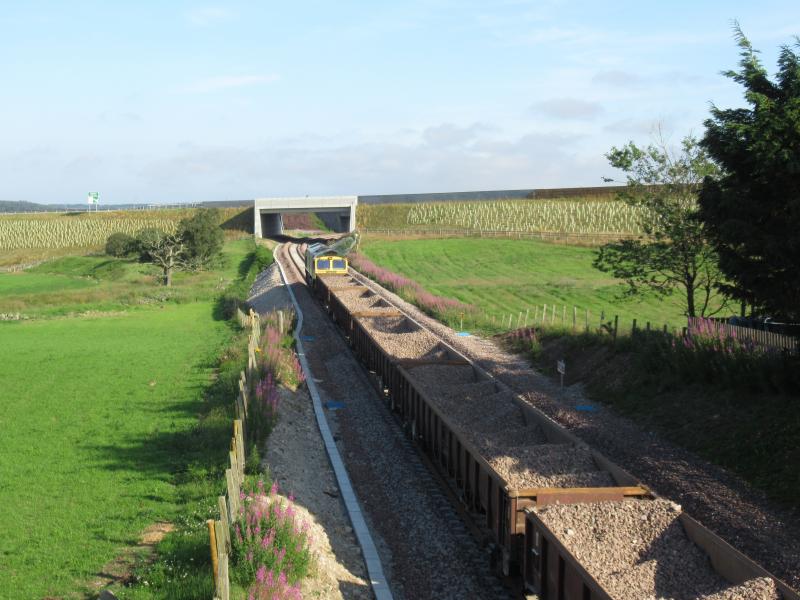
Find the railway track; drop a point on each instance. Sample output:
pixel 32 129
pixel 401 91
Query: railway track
pixel 530 483
pixel 406 508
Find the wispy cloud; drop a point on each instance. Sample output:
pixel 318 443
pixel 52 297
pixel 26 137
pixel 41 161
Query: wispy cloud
pixel 568 108
pixel 224 82
pixel 207 15
pixel 617 78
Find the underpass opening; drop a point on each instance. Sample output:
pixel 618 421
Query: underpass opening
pixel 337 212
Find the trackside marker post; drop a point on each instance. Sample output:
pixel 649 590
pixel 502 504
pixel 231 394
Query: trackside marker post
pixel 561 367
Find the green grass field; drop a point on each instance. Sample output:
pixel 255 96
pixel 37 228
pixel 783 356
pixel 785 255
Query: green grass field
pixel 99 414
pixel 502 277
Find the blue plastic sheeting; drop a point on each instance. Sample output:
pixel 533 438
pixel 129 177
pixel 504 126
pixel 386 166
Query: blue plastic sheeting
pixel 463 334
pixel 586 408
pixel 334 405
pixel 307 338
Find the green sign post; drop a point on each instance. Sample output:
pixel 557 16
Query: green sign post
pixel 94 198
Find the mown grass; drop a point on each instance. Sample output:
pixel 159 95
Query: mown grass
pixel 506 277
pixel 99 430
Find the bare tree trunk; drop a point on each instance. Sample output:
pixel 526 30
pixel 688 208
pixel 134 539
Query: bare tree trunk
pixel 168 275
pixel 690 310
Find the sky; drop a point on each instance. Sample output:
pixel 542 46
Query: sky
pixel 180 101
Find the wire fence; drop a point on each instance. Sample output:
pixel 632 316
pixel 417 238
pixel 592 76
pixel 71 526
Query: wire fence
pixel 592 239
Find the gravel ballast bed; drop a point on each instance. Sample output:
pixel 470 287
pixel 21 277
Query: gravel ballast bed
pixel 638 549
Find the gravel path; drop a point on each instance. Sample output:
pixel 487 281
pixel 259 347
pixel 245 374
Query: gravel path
pixel 426 550
pixel 297 460
pixel 721 501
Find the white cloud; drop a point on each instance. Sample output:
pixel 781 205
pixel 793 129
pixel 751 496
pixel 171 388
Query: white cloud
pixel 207 15
pixel 568 108
pixel 213 84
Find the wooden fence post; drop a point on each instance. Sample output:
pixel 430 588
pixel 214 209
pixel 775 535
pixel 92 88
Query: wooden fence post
pixel 616 324
pixel 212 540
pixel 633 329
pixel 225 518
pixel 574 317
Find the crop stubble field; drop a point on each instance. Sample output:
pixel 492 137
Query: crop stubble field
pixel 36 236
pixel 92 409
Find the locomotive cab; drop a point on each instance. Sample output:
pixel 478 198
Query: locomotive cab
pixel 322 260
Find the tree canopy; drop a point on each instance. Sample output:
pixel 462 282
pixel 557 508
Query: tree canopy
pixel 674 254
pixel 752 212
pixel 202 237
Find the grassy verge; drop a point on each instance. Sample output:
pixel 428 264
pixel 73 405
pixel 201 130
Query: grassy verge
pixel 99 433
pixel 502 278
pixel 730 404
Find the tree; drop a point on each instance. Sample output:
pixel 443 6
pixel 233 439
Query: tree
pixel 752 213
pixel 120 244
pixel 167 250
pixel 674 254
pixel 202 236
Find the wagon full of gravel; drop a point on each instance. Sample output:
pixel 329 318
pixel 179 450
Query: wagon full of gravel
pixel 636 549
pixel 500 454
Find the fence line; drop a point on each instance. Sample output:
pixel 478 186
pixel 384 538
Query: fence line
pixel 576 319
pixel 230 504
pixel 769 339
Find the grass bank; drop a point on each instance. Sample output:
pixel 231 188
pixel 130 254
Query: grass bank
pixel 508 277
pixel 730 404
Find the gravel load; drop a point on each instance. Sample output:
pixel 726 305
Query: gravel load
pixel 535 466
pixel 430 377
pixel 400 337
pixel 638 549
pixel 470 410
pixel 335 282
pixel 361 300
pixel 754 589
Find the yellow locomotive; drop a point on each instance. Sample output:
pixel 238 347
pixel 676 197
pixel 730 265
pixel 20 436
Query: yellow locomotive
pixel 323 260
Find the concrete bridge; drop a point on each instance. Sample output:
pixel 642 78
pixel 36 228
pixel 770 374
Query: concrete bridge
pixel 338 212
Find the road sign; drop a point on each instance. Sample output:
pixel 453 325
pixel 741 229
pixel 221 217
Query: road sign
pixel 93 198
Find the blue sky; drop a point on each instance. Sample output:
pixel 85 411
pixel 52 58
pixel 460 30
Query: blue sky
pixel 177 101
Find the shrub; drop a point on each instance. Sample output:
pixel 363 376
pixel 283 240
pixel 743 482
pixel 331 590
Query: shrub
pixel 270 538
pixel 436 306
pixel 120 244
